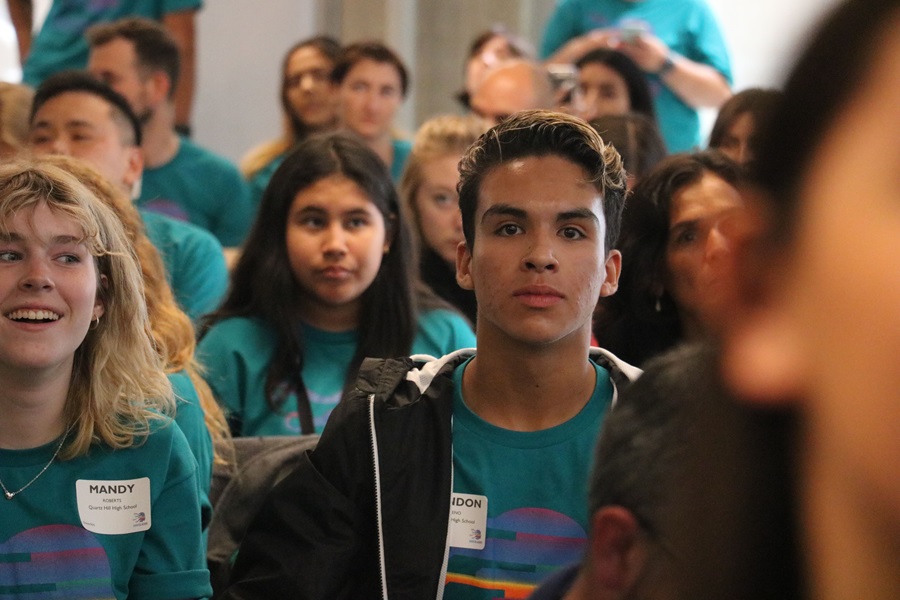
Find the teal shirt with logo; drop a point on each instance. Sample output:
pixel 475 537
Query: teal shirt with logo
pixel 534 485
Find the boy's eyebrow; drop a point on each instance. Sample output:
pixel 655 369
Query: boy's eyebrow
pixel 503 210
pixel 578 213
pixel 506 210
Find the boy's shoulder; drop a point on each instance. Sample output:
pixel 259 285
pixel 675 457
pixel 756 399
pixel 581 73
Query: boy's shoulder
pixel 619 369
pixel 397 382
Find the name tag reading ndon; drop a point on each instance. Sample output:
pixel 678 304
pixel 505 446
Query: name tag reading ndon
pixel 114 507
pixel 468 521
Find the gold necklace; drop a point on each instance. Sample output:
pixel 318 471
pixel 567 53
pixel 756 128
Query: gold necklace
pixel 10 495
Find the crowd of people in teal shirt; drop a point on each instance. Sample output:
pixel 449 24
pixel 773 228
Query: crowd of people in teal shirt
pixel 159 302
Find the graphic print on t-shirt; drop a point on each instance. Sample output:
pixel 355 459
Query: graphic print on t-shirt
pixel 522 547
pixel 54 561
pixel 167 207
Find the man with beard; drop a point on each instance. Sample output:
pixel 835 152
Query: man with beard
pixel 139 59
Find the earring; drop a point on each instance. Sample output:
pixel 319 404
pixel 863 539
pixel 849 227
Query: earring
pixel 95 323
pixel 658 306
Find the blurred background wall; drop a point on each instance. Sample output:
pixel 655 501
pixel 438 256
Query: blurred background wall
pixel 241 43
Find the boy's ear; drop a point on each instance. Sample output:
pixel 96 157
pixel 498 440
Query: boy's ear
pixel 463 264
pixel 617 549
pixel 613 268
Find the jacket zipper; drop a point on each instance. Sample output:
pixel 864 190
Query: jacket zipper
pixel 381 568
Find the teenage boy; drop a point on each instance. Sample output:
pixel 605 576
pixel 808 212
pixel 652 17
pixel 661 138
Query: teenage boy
pixel 466 476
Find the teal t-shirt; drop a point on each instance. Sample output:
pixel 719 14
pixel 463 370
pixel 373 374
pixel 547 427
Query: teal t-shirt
pixel 236 354
pixel 202 188
pixel 402 148
pixel 260 180
pixel 190 418
pixel 687 27
pixel 61 44
pixel 195 264
pixel 535 487
pixel 110 524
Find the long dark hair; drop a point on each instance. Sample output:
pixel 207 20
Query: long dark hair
pixel 639 96
pixel 263 284
pixel 327 47
pixel 758 102
pixel 637 139
pixel 641 319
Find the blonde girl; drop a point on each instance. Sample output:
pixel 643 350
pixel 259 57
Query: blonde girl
pixel 94 479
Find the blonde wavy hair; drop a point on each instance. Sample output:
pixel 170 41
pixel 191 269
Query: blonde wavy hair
pixel 172 330
pixel 118 385
pixel 15 105
pixel 436 138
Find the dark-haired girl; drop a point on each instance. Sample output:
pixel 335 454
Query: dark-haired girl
pixel 327 278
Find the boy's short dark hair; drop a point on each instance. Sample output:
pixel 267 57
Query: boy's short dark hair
pixel 374 51
pixel 83 82
pixel 544 133
pixel 154 46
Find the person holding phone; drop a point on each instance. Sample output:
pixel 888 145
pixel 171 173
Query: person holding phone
pixel 677 43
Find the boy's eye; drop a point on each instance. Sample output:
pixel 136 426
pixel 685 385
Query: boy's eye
pixel 572 233
pixel 509 229
pixel 8 256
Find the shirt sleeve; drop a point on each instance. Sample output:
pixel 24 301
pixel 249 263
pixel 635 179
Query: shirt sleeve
pixel 233 224
pixel 223 365
pixel 442 332
pixel 707 45
pixel 562 26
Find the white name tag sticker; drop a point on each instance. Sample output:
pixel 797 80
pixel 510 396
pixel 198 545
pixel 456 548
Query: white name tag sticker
pixel 468 521
pixel 114 507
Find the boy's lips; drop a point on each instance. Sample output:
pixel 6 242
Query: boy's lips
pixel 538 296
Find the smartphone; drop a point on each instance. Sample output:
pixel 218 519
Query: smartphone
pixel 631 29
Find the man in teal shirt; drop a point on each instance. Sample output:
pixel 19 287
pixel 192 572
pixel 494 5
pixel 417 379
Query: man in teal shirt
pixel 139 59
